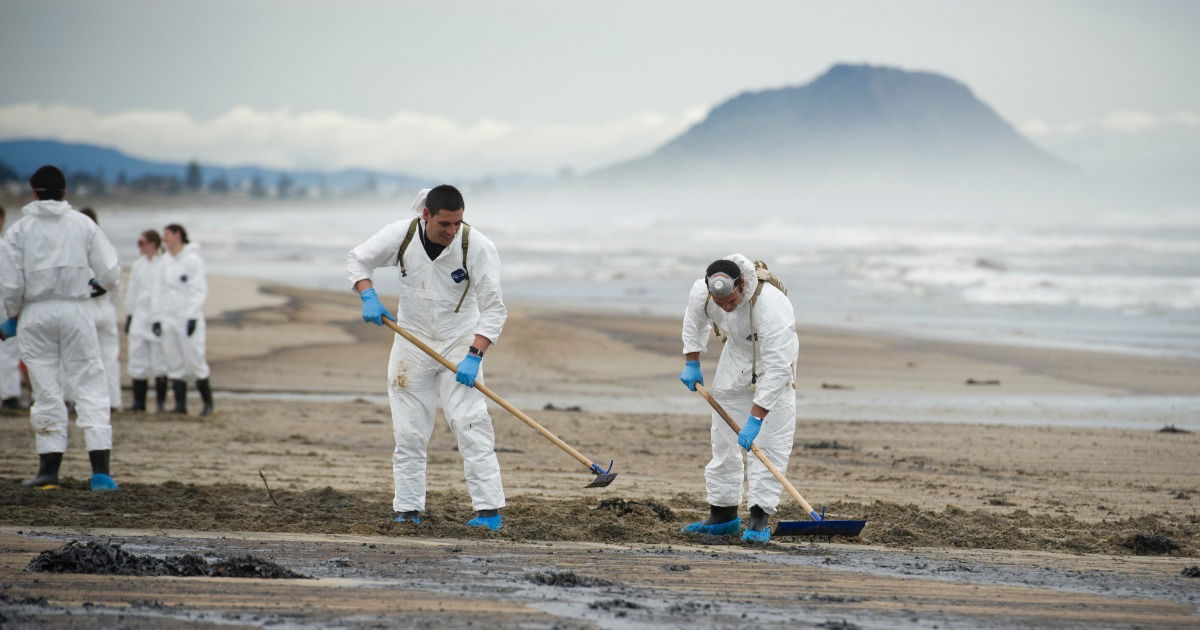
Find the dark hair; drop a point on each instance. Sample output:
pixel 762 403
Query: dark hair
pixel 725 266
pixel 153 237
pixel 444 197
pixel 175 227
pixel 48 182
pixel 89 213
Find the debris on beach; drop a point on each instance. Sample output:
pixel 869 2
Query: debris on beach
pixel 990 381
pixel 623 507
pixel 1146 544
pixel 109 559
pixel 676 567
pixel 827 444
pixel 551 407
pixel 1170 428
pixel 620 607
pixel 566 579
pixel 835 386
pixel 1191 572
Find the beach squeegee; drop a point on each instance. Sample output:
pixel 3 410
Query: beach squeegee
pixel 818 526
pixel 603 476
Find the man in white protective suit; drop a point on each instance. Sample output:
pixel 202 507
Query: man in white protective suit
pixel 179 321
pixel 450 299
pixel 56 259
pixel 755 380
pixel 10 361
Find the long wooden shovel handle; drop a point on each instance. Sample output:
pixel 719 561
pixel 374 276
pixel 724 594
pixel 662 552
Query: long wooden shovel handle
pixel 490 394
pixel 754 449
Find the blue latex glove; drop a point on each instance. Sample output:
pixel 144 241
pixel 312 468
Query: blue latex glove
pixel 468 369
pixel 9 328
pixel 749 432
pixel 373 310
pixel 691 375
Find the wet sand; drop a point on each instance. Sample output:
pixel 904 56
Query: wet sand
pixel 974 520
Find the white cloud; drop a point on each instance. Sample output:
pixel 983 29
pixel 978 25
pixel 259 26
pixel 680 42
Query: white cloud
pixel 405 141
pixel 1123 121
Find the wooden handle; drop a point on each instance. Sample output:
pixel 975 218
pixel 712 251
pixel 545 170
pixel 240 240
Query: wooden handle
pixel 754 449
pixel 490 394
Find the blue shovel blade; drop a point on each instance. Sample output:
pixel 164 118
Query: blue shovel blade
pixel 819 528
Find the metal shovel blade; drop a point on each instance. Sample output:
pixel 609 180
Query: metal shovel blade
pixel 602 480
pixel 819 528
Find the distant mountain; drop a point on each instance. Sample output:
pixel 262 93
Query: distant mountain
pixel 854 123
pixel 111 165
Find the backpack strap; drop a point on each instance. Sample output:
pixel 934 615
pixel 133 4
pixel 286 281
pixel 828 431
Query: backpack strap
pixel 412 229
pixel 466 240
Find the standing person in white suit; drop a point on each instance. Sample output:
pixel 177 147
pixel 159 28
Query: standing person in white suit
pixel 180 320
pixel 56 258
pixel 10 361
pixel 756 379
pixel 141 297
pixel 104 311
pixel 449 298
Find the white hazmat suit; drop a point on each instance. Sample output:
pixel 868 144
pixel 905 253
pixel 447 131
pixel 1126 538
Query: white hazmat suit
pixel 53 252
pixel 184 288
pixel 104 313
pixel 746 377
pixel 429 293
pixel 145 288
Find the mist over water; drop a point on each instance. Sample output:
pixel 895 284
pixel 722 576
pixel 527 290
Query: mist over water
pixel 1109 278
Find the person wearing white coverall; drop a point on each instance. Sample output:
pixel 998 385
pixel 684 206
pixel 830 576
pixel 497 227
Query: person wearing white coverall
pixel 455 306
pixel 180 318
pixel 141 298
pixel 755 380
pixel 104 312
pixel 10 361
pixel 56 258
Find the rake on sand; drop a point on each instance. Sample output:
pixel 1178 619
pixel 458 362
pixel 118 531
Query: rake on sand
pixel 818 526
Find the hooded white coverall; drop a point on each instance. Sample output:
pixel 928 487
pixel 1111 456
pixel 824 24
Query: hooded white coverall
pixel 184 288
pixel 145 288
pixel 774 322
pixel 416 382
pixel 53 251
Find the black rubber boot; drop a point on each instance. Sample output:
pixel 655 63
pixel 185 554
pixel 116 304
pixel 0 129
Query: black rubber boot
pixel 47 476
pixel 11 406
pixel 205 389
pixel 180 388
pixel 101 480
pixel 160 393
pixel 718 514
pixel 758 519
pixel 140 385
pixel 99 461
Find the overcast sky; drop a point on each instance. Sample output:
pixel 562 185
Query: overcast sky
pixel 464 88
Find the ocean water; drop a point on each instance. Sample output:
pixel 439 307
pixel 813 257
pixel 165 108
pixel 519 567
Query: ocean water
pixel 1128 282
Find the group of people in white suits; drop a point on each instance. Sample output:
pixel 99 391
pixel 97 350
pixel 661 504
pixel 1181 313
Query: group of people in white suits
pixel 58 273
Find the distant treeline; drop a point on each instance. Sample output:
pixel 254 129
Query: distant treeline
pixel 193 181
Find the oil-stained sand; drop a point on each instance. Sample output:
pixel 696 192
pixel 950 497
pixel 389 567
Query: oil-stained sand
pixel 971 524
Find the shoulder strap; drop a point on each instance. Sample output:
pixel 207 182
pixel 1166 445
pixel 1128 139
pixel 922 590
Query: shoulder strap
pixel 715 329
pixel 466 240
pixel 412 229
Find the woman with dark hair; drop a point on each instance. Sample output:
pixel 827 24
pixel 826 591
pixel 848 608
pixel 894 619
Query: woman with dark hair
pixel 181 317
pixel 145 349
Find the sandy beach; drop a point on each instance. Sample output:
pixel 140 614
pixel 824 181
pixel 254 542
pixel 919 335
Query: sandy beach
pixel 1004 485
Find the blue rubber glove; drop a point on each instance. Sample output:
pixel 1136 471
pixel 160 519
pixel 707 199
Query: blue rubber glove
pixel 373 310
pixel 749 432
pixel 9 328
pixel 468 369
pixel 691 375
